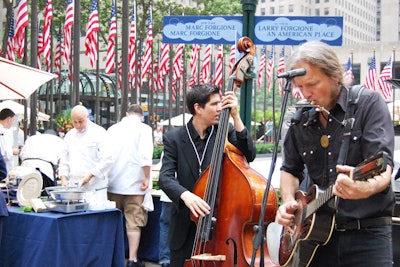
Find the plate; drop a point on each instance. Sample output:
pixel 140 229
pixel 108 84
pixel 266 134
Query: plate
pixel 30 187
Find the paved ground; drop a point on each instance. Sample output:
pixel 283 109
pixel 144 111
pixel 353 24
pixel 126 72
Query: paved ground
pixel 152 264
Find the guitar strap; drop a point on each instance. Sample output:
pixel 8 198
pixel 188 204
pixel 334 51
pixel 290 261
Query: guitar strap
pixel 352 100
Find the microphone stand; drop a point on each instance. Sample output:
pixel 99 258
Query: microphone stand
pixel 259 230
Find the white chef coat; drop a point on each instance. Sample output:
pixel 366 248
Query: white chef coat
pixel 86 152
pixel 132 146
pixel 6 146
pixel 39 150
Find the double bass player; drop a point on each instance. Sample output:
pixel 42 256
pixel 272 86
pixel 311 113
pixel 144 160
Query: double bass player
pixel 187 153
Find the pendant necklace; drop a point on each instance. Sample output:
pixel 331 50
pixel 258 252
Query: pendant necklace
pixel 324 141
pixel 200 161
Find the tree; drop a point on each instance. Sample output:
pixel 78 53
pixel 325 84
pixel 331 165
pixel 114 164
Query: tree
pixel 160 9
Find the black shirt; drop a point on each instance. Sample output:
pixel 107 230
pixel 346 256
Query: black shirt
pixel 372 132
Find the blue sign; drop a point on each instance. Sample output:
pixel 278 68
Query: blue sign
pixel 268 30
pixel 202 29
pixel 296 30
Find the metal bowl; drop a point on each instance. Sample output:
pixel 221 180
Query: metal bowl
pixel 68 195
pixel 50 189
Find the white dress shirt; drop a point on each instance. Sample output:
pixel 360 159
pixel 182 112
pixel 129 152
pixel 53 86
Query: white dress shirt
pixel 132 146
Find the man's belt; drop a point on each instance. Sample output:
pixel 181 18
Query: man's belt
pixel 363 223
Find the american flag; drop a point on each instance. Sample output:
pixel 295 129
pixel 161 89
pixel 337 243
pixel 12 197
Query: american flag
pixel 10 43
pixel 164 65
pixel 112 34
pixel 69 22
pixel 296 92
pixel 370 79
pixel 138 80
pixel 149 45
pixel 386 74
pixel 154 81
pixel 205 70
pixel 120 72
pixel 20 25
pixel 57 59
pixel 348 71
pixel 132 45
pixel 261 66
pixel 177 70
pixel 48 16
pixel 91 34
pixel 270 69
pixel 39 49
pixel 232 57
pixel 194 58
pixel 281 68
pixel 177 63
pixel 218 68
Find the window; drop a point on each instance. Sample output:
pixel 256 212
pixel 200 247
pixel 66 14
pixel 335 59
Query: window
pixel 291 8
pixel 272 10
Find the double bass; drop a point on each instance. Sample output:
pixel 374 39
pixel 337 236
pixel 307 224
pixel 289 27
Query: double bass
pixel 234 192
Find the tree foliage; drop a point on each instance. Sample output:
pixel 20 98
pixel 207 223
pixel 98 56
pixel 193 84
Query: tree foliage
pixel 159 10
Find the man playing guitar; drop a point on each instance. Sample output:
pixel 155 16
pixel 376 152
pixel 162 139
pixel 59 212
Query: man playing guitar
pixel 359 225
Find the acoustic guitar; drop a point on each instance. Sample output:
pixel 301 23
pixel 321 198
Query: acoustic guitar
pixel 314 221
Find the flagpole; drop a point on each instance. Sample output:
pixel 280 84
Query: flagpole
pixel 124 61
pixel 76 52
pixel 34 49
pixel 97 102
pixel 170 88
pixel 198 65
pixel 255 107
pixel 116 72
pixel 393 89
pixel 51 100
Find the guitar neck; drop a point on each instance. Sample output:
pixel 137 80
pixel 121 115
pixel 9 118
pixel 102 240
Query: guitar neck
pixel 367 169
pixel 321 199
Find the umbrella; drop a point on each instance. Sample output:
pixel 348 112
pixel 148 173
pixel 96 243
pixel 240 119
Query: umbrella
pixel 19 109
pixel 177 120
pixel 19 81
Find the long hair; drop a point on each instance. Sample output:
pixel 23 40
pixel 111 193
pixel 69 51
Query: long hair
pixel 321 55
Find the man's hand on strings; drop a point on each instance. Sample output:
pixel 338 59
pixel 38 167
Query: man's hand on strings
pixel 196 204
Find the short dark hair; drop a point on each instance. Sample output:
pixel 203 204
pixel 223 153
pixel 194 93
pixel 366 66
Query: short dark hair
pixel 5 113
pixel 200 94
pixel 135 108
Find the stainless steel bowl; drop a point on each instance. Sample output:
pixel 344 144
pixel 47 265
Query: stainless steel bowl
pixel 50 189
pixel 67 195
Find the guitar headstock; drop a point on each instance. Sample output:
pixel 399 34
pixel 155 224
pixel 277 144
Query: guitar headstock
pixel 370 167
pixel 243 68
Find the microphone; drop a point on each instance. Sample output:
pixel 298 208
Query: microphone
pixel 292 73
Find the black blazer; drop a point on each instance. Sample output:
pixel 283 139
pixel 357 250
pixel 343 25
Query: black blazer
pixel 180 170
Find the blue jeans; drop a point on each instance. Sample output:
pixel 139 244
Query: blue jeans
pixel 164 225
pixel 369 247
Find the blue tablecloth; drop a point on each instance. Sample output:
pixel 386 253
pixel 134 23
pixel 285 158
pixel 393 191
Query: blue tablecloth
pixel 92 238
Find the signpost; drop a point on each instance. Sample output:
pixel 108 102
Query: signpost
pixel 266 30
pixel 263 30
